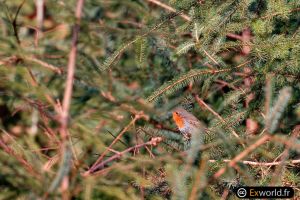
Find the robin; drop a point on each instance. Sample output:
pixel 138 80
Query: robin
pixel 187 123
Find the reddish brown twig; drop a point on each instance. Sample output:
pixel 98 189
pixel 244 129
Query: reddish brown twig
pixel 225 194
pixel 210 57
pixel 285 155
pixel 70 73
pixel 19 158
pixel 118 155
pixel 241 155
pixel 234 36
pixel 244 38
pixel 64 114
pixel 201 102
pixel 136 117
pixel 43 63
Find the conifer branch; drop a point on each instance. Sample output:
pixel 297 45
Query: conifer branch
pixel 201 102
pixel 280 13
pixel 111 59
pixel 276 111
pixel 285 141
pixel 19 158
pixel 285 155
pixel 241 155
pixel 210 57
pixel 182 48
pixel 189 76
pixel 44 64
pixel 185 47
pixel 141 45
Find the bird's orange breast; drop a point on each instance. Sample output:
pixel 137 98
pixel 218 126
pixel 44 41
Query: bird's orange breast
pixel 178 120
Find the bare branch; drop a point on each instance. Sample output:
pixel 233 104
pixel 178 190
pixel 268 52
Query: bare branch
pixel 63 178
pixel 19 158
pixel 152 142
pixel 136 117
pixel 247 162
pixel 44 64
pixel 70 73
pixel 241 155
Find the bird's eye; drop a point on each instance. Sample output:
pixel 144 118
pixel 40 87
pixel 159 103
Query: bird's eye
pixel 176 113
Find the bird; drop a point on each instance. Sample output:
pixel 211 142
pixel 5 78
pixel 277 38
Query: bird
pixel 187 123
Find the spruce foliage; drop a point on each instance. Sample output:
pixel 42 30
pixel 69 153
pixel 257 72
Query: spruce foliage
pixel 234 64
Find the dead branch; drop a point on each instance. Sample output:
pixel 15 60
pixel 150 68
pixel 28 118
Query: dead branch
pixel 44 64
pixel 19 158
pixel 136 117
pixel 118 155
pixel 241 155
pixel 246 162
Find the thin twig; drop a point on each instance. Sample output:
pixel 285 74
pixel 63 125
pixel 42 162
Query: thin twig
pixel 201 102
pixel 14 22
pixel 19 158
pixel 283 140
pixel 210 57
pixel 241 155
pixel 225 194
pixel 136 117
pixel 115 138
pixel 101 165
pixel 285 155
pixel 234 36
pixel 169 8
pixel 253 163
pixel 44 64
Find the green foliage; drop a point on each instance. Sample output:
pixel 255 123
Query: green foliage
pixel 233 64
pixel 141 47
pixel 276 111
